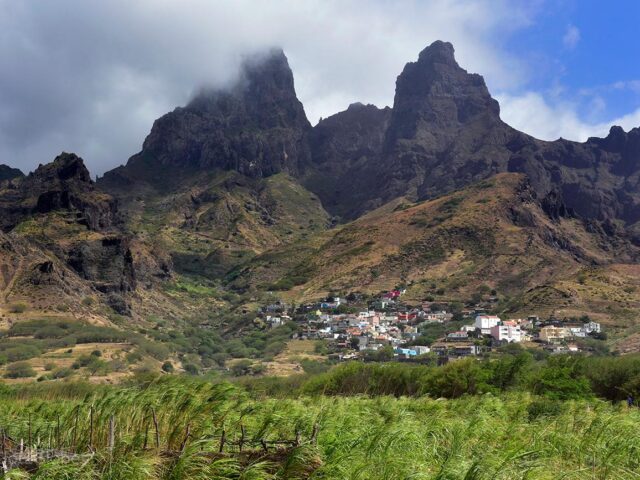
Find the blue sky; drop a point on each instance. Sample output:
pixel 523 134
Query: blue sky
pixel 91 76
pixel 585 52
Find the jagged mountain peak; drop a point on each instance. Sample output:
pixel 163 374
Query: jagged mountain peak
pixel 8 173
pixel 264 81
pixel 65 167
pixel 255 127
pixel 438 52
pixel 435 95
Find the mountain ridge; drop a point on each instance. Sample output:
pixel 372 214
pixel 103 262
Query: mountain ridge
pixel 236 195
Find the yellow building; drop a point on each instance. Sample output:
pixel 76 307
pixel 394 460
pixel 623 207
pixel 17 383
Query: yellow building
pixel 553 334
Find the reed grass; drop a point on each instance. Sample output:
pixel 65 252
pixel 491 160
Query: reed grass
pixel 479 437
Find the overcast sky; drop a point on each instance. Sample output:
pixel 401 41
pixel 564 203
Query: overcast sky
pixel 90 76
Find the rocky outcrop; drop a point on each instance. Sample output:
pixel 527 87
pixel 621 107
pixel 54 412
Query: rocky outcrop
pixel 445 133
pixel 62 185
pixel 8 173
pixel 257 128
pixel 345 148
pixel 107 263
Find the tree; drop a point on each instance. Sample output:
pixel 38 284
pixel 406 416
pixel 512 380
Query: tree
pixel 191 369
pixel 97 366
pixel 167 367
pixel 562 378
pixel 242 367
pixel 20 370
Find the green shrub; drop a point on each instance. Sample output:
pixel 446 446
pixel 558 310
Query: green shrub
pixel 64 372
pixel 20 370
pixel 21 352
pixel 168 367
pixel 191 369
pixel 156 350
pixel 544 407
pixel 133 357
pixel 561 378
pixel 242 367
pixel 49 366
pixel 19 307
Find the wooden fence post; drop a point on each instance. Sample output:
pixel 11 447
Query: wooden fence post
pixel 146 434
pixel 58 443
pixel 242 435
pixel 75 431
pixel 186 437
pixel 29 430
pixel 223 437
pixel 155 425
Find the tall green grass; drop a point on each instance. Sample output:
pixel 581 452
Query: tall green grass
pixel 508 436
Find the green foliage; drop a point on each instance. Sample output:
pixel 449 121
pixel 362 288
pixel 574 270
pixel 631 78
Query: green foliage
pixel 502 437
pixel 191 369
pixel 168 367
pixel 241 367
pixel 19 370
pixel 62 373
pixel 544 407
pixel 314 367
pixel 561 378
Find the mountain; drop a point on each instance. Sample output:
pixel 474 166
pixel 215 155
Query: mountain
pixel 236 196
pixel 215 182
pixel 445 132
pixel 8 173
pixel 255 127
pixel 63 241
pixel 491 235
pixel 64 184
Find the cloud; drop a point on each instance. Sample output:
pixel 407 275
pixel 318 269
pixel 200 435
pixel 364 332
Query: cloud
pixel 90 76
pixel 535 115
pixel 571 37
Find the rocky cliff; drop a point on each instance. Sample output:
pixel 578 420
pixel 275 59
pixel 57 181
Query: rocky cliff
pixel 256 127
pixel 8 173
pixel 62 185
pixel 445 132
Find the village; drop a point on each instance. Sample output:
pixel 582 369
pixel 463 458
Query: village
pixel 388 328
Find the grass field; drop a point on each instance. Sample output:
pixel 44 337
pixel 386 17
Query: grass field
pixel 219 431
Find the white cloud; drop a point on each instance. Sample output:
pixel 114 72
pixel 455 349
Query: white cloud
pixel 90 76
pixel 571 37
pixel 533 114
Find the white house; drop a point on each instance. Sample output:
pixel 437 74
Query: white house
pixel 591 327
pixel 421 349
pixel 274 321
pixel 486 322
pixel 510 333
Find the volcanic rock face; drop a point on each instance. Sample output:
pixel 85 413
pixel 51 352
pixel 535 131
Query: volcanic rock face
pixel 257 128
pixel 107 263
pixel 62 185
pixel 445 132
pixel 54 208
pixel 345 148
pixel 8 173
